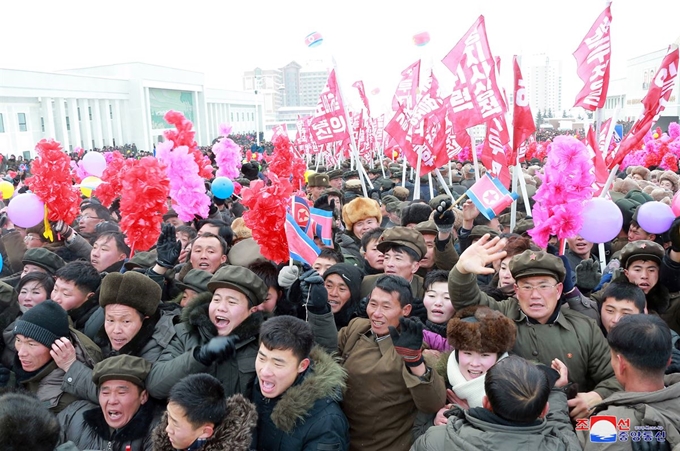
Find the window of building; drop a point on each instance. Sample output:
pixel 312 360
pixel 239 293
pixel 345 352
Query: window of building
pixel 79 113
pixel 2 124
pixel 111 111
pixel 89 111
pixel 232 117
pixel 68 124
pixel 42 124
pixel 22 122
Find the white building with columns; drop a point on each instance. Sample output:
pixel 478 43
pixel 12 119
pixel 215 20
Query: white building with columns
pixel 114 105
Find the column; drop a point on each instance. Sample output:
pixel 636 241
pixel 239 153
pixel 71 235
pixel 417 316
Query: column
pixel 48 117
pixel 117 123
pixel 60 123
pixel 107 129
pixel 97 124
pixel 73 122
pixel 85 123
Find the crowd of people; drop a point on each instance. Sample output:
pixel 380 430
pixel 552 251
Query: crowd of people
pixel 423 326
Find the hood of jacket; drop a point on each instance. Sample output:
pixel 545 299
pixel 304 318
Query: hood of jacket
pixel 233 434
pixel 195 316
pixel 325 379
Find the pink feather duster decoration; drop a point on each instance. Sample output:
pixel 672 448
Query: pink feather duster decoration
pixel 227 155
pixel 186 168
pixel 567 183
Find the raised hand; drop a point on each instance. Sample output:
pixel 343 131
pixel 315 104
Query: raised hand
pixel 481 253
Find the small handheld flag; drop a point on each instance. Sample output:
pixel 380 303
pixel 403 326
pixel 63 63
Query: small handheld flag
pixel 490 196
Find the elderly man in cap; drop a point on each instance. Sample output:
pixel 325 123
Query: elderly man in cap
pixel 403 248
pixel 133 325
pixel 335 179
pixel 125 416
pixel 40 334
pixel 218 335
pixel 316 184
pixel 545 330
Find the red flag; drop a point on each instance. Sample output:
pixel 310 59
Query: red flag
pixel 329 122
pixel 279 130
pixel 362 93
pixel 493 152
pixel 398 128
pixel 601 172
pixel 476 98
pixel 407 89
pixel 522 120
pixel 654 103
pixel 592 62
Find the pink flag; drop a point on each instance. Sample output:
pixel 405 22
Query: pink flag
pixel 601 172
pixel 398 128
pixel 362 93
pixel 329 122
pixel 476 98
pixel 407 90
pixel 522 121
pixel 592 61
pixel 654 103
pixel 279 130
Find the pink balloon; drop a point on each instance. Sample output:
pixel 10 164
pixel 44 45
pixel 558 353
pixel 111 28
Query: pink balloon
pixel 655 217
pixel 26 210
pixel 675 204
pixel 94 163
pixel 602 220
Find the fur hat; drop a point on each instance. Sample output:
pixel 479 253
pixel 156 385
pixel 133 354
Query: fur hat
pixel 240 229
pixel 44 323
pixel 132 289
pixel 401 192
pixel 481 329
pixel 671 177
pixel 250 170
pixel 624 186
pixel 415 213
pixel 642 171
pixel 360 209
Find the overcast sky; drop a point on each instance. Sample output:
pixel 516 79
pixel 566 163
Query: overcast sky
pixel 370 39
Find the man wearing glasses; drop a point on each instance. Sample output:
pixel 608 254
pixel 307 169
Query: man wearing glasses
pixel 90 216
pixel 545 329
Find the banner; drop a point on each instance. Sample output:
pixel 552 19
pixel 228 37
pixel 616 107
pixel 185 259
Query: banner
pixel 163 100
pixel 600 169
pixel 592 63
pixel 476 98
pixel 493 152
pixel 407 89
pixel 328 123
pixel 522 120
pixel 654 103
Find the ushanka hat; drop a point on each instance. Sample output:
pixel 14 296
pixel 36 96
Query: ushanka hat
pixel 482 330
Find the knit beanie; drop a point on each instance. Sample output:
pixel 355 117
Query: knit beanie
pixel 44 323
pixel 131 289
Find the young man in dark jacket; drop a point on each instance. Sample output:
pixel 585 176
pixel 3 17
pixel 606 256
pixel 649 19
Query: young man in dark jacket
pixel 297 390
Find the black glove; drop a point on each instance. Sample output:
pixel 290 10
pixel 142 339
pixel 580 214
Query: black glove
pixel 409 341
pixel 418 310
pixel 653 445
pixel 307 279
pixel 588 275
pixel 675 235
pixel 318 300
pixel 568 283
pixel 218 349
pixel 361 308
pixel 62 229
pixel 444 217
pixel 167 247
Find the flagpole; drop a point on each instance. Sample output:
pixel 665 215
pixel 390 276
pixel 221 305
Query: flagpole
pixel 525 195
pixel 416 181
pixel 450 175
pixel 513 208
pixel 440 177
pixel 474 159
pixel 363 177
pixel 429 180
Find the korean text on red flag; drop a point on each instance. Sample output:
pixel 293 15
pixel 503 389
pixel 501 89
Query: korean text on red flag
pixel 592 62
pixel 329 122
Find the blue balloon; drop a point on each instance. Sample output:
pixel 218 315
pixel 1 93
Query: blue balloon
pixel 222 187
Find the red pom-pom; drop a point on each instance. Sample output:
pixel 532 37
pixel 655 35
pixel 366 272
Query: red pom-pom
pixel 111 188
pixel 52 182
pixel 144 190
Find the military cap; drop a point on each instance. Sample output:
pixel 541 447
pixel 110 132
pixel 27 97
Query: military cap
pixel 479 231
pixel 335 174
pixel 350 174
pixel 427 227
pixel 532 263
pixel 523 226
pixel 403 236
pixel 122 367
pixel 242 280
pixel 141 260
pixel 196 280
pixel 47 260
pixel 641 250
